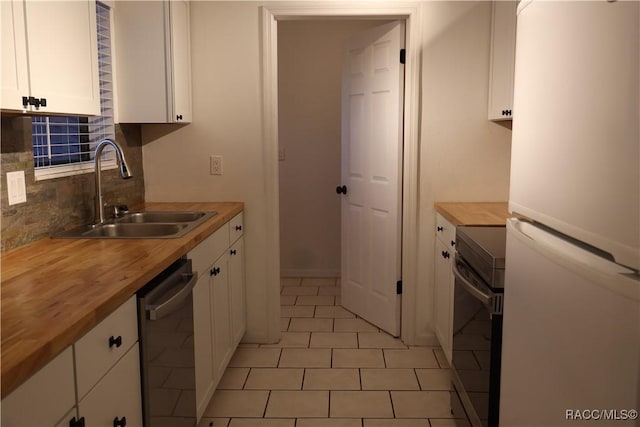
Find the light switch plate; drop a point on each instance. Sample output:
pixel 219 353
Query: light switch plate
pixel 16 187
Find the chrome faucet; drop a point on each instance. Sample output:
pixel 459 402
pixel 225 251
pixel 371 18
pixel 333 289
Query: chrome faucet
pixel 124 173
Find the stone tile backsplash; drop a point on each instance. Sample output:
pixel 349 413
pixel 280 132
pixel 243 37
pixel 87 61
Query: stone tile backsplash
pixel 59 204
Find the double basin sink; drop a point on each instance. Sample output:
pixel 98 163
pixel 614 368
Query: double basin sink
pixel 143 225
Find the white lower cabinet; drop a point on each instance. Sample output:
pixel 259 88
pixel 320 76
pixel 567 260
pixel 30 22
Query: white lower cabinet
pixel 444 284
pixel 103 391
pixel 218 306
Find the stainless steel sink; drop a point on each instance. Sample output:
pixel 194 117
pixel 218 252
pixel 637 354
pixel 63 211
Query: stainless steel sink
pixel 142 225
pixel 160 216
pixel 129 231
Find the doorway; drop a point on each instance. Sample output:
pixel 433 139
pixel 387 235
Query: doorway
pixel 316 224
pixel 409 14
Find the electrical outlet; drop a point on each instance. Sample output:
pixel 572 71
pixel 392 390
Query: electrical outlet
pixel 16 187
pixel 216 165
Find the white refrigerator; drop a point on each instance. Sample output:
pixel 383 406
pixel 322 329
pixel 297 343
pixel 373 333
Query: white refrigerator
pixel 571 333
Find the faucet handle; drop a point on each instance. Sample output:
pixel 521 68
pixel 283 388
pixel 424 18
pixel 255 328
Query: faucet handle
pixel 120 210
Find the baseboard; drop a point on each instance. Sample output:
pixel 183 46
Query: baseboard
pixel 285 272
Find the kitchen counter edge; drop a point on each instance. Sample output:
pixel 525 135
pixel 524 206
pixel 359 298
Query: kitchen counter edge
pixel 474 213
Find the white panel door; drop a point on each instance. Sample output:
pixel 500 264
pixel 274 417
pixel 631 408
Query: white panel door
pixel 372 94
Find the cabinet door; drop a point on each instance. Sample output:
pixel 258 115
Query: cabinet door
pixel 221 316
pixel 63 55
pixel 45 398
pixel 15 74
pixel 237 289
pixel 116 395
pixel 502 62
pixel 180 61
pixel 153 61
pixel 443 302
pixel 202 334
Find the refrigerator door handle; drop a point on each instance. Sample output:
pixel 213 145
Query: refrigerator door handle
pixel 597 269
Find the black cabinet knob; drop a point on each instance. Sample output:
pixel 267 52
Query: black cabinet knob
pixel 453 243
pixel 76 422
pixel 232 251
pixel 341 189
pixel 238 228
pixel 439 228
pixel 214 271
pixel 122 422
pixel 115 341
pixel 73 422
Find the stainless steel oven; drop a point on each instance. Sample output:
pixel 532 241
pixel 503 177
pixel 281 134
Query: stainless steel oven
pixel 478 268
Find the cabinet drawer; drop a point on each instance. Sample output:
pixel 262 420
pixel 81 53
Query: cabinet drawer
pixel 117 395
pixel 445 231
pixel 236 228
pixel 203 255
pixel 104 345
pixel 45 398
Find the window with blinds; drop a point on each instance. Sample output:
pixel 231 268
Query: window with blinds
pixel 65 145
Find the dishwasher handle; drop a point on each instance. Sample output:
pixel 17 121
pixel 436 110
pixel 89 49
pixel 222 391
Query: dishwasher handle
pixel 158 311
pixel 468 286
pixel 493 301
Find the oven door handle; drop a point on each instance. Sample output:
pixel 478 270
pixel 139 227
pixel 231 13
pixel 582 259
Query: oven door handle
pixel 468 286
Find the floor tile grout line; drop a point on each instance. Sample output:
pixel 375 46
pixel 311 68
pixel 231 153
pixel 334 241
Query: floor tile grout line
pixel 393 409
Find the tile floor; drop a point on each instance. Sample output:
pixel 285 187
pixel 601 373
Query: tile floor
pixel 331 369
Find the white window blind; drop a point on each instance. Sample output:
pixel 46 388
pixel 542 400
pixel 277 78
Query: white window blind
pixel 65 145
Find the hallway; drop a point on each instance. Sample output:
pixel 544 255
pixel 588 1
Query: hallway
pixel 331 369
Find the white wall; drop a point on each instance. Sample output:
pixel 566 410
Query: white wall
pixel 310 57
pixel 463 157
pixel 227 121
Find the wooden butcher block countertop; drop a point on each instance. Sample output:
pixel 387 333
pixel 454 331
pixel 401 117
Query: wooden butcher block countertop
pixel 490 213
pixel 56 290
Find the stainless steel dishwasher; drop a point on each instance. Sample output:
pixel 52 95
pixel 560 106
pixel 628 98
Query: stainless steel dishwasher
pixel 165 320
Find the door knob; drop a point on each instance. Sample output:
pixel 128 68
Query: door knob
pixel 341 190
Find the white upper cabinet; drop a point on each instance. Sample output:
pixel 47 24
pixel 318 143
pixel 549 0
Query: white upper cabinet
pixel 153 61
pixel 50 57
pixel 502 62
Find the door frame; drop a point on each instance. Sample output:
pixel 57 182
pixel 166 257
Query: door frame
pixel 410 13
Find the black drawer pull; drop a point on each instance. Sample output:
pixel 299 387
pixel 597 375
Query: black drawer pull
pixel 439 228
pixel 445 254
pixel 238 228
pixel 214 271
pixel 179 117
pixel 122 422
pixel 453 243
pixel 115 341
pixel 76 422
pixel 232 251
